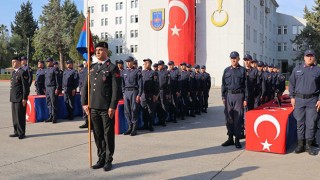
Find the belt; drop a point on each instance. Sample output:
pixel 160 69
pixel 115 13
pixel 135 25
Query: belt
pixel 131 89
pixel 239 91
pixel 306 96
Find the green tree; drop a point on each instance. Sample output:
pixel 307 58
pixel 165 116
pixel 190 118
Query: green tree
pixel 74 54
pixel 4 47
pixel 24 26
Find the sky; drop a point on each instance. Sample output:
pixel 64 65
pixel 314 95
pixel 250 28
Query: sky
pixel 8 8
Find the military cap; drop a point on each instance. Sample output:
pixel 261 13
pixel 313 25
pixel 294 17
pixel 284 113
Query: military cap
pixel 203 67
pixel 183 64
pixel 160 62
pixel 234 54
pixel 80 65
pixel 148 60
pixel 155 65
pixel 23 58
pixel 140 67
pixel 16 58
pixel 196 66
pixel 170 63
pixel 69 62
pixel 129 59
pixel 119 61
pixel 271 65
pixel 265 64
pixel 56 63
pixel 165 67
pixel 247 57
pixel 188 65
pixel 135 62
pixel 309 52
pixel 276 66
pixel 260 64
pixel 102 44
pixel 49 59
pixel 254 61
pixel 41 61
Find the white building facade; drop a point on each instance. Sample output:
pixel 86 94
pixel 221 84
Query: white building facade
pixel 253 27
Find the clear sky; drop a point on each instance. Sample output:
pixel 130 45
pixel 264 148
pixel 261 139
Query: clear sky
pixel 8 8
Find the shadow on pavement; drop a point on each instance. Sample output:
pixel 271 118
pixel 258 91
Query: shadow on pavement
pixel 182 155
pixel 56 134
pixel 215 175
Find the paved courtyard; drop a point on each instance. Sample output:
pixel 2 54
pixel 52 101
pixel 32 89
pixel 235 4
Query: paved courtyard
pixel 189 149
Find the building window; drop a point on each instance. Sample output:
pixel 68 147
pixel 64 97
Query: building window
pixel 270 26
pixel 132 49
pixel 285 46
pixel 248 32
pixel 255 36
pixel 132 18
pixel 266 22
pixel 300 29
pixel 255 13
pixel 279 47
pixel 102 36
pixel 91 23
pixel 119 5
pixel 106 8
pixel 294 29
pixel 106 36
pixel 102 22
pixel 254 56
pixel 117 49
pixel 136 33
pixel 132 34
pixel 248 7
pixel 120 20
pixel 106 21
pixel 102 8
pixel 279 29
pixel 261 39
pixel 92 9
pixel 134 3
pixel 285 29
pixel 120 49
pixel 136 48
pixel 120 34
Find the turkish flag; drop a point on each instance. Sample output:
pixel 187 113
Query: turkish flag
pixel 267 128
pixel 181 31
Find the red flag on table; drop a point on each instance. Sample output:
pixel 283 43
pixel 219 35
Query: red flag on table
pixel 181 31
pixel 82 42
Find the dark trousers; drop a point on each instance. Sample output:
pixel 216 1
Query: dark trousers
pixel 84 114
pixel 18 118
pixel 103 132
pixel 162 107
pixel 257 101
pixel 306 115
pixel 205 99
pixel 234 111
pixel 192 102
pixel 173 107
pixel 184 104
pixel 40 89
pixel 198 102
pixel 148 107
pixel 250 103
pixel 69 102
pixel 52 100
pixel 131 107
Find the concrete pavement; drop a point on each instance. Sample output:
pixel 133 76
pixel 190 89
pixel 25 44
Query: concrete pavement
pixel 189 149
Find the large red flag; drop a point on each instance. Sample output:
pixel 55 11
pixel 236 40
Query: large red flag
pixel 181 31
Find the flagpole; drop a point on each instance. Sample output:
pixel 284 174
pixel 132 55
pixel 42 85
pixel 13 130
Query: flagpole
pixel 89 64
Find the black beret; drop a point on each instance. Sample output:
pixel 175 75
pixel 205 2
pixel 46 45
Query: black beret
pixel 170 63
pixel 80 65
pixel 155 65
pixel 41 61
pixel 56 63
pixel 69 62
pixel 196 66
pixel 130 58
pixel 160 62
pixel 102 44
pixel 49 59
pixel 148 60
pixel 24 58
pixel 188 65
pixel 203 67
pixel 183 64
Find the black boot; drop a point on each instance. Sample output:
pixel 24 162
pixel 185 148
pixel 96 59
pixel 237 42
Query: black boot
pixel 134 130
pixel 315 143
pixel 128 131
pixel 237 143
pixel 229 142
pixel 309 148
pixel 85 125
pixel 300 148
pixel 49 119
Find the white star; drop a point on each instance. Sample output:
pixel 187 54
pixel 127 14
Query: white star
pixel 175 30
pixel 266 145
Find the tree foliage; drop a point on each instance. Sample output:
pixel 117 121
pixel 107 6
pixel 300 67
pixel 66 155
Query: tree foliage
pixel 24 26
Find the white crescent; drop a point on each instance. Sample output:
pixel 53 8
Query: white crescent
pixel 29 104
pixel 267 118
pixel 181 5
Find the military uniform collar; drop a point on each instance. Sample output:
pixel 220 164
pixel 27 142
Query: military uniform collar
pixel 311 66
pixel 237 67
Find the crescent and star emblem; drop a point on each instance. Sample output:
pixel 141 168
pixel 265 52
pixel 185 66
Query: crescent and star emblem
pixel 267 118
pixel 219 11
pixel 176 3
pixel 29 105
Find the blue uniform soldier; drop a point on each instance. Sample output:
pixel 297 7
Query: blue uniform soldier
pixel 164 93
pixel 132 90
pixel 83 73
pixel 19 92
pixel 184 90
pixel 174 86
pixel 304 89
pixel 150 94
pixel 199 80
pixel 53 88
pixel 25 67
pixel 261 85
pixel 251 80
pixel 60 75
pixel 268 82
pixel 280 81
pixel 70 83
pixel 234 96
pixel 119 63
pixel 40 78
pixel 272 86
pixel 207 86
pixel 192 95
